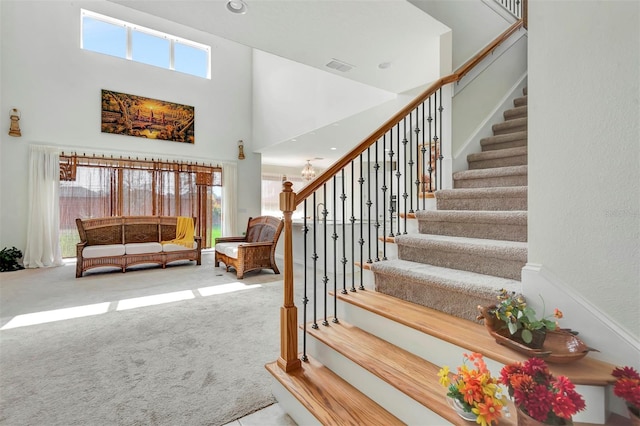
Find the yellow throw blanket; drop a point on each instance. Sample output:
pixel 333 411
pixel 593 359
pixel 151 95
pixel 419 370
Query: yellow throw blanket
pixel 184 232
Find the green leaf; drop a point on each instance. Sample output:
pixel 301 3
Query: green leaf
pixel 512 327
pixel 527 336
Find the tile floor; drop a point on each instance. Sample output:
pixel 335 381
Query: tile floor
pixel 272 415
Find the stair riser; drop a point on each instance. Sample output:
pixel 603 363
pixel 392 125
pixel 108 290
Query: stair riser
pixel 516 160
pixel 475 230
pixel 472 262
pixel 387 396
pixel 503 145
pixel 492 204
pixel 516 180
pixel 432 295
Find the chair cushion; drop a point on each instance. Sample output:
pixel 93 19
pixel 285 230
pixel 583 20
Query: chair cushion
pixel 229 249
pixel 142 248
pixel 103 250
pixel 177 247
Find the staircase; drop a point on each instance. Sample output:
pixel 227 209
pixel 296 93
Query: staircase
pixel 376 362
pixel 474 244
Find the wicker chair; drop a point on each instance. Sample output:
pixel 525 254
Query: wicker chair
pixel 255 250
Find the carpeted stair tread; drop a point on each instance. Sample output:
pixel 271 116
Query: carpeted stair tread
pixel 491 257
pixel 451 291
pixel 508 140
pixel 520 101
pixel 504 198
pixel 516 112
pixel 500 225
pixel 507 157
pixel 330 398
pixel 493 177
pixel 510 126
pixel 395 366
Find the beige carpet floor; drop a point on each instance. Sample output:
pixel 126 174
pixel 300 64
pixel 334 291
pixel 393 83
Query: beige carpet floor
pixel 196 361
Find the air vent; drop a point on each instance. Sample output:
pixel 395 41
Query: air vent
pixel 339 65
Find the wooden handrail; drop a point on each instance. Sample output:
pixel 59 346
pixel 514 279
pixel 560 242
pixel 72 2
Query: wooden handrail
pixel 324 177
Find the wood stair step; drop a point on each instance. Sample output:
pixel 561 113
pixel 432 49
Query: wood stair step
pixel 329 398
pixel 470 335
pixel 409 373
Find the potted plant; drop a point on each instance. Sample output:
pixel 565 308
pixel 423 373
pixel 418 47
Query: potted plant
pixel 627 387
pixel 473 392
pixel 521 320
pixel 540 398
pixel 9 259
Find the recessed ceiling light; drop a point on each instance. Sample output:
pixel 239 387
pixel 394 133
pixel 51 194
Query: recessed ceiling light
pixel 237 6
pixel 333 148
pixel 293 140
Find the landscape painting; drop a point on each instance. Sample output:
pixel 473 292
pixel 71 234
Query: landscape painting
pixel 133 115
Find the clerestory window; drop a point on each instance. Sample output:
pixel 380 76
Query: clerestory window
pixel 110 36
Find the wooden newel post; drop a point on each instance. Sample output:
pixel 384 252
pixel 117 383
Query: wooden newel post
pixel 289 359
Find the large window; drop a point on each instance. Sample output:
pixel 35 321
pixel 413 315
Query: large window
pixel 101 187
pixel 114 37
pixel 271 189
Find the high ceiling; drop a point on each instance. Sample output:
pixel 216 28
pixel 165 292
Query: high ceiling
pixel 390 44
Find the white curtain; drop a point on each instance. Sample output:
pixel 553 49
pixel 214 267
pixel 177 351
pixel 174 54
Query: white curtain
pixel 229 199
pixel 43 221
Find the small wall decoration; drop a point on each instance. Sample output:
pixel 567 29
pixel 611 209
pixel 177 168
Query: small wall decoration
pixel 147 118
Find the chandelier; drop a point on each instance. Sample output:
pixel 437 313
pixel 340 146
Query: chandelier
pixel 308 172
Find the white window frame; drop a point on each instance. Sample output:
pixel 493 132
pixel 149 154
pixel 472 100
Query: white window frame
pixel 132 27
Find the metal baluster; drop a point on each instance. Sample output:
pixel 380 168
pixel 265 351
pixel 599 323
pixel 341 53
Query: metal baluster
pixel 439 146
pixel 410 183
pixel 369 202
pixel 405 195
pixel 353 227
pixel 305 299
pixel 343 197
pixel 325 278
pixel 361 241
pixel 384 202
pixel 432 140
pixel 335 252
pixel 376 167
pixel 391 196
pixel 396 204
pixel 418 177
pixel 315 265
pixel 423 150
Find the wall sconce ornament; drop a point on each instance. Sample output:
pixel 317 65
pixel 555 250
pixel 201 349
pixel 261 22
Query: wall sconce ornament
pixel 14 129
pixel 308 172
pixel 240 150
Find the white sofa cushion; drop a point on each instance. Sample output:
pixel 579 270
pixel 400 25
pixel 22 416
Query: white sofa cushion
pixel 142 248
pixel 177 247
pixel 230 249
pixel 104 250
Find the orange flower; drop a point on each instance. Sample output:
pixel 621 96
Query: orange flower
pixel 557 313
pixel 488 411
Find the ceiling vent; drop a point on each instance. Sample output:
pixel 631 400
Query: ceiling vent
pixel 339 65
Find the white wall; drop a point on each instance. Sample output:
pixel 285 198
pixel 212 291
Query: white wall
pixel 291 99
pixel 584 155
pixel 56 86
pixel 468 36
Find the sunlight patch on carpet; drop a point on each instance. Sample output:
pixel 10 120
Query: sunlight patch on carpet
pixel 56 315
pixel 226 288
pixel 156 299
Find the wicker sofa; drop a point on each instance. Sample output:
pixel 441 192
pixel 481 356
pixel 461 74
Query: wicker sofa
pixel 255 250
pixel 123 241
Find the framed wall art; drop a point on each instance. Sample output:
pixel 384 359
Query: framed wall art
pixel 142 117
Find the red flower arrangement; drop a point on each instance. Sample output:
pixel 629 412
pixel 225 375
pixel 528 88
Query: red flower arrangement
pixel 627 387
pixel 548 399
